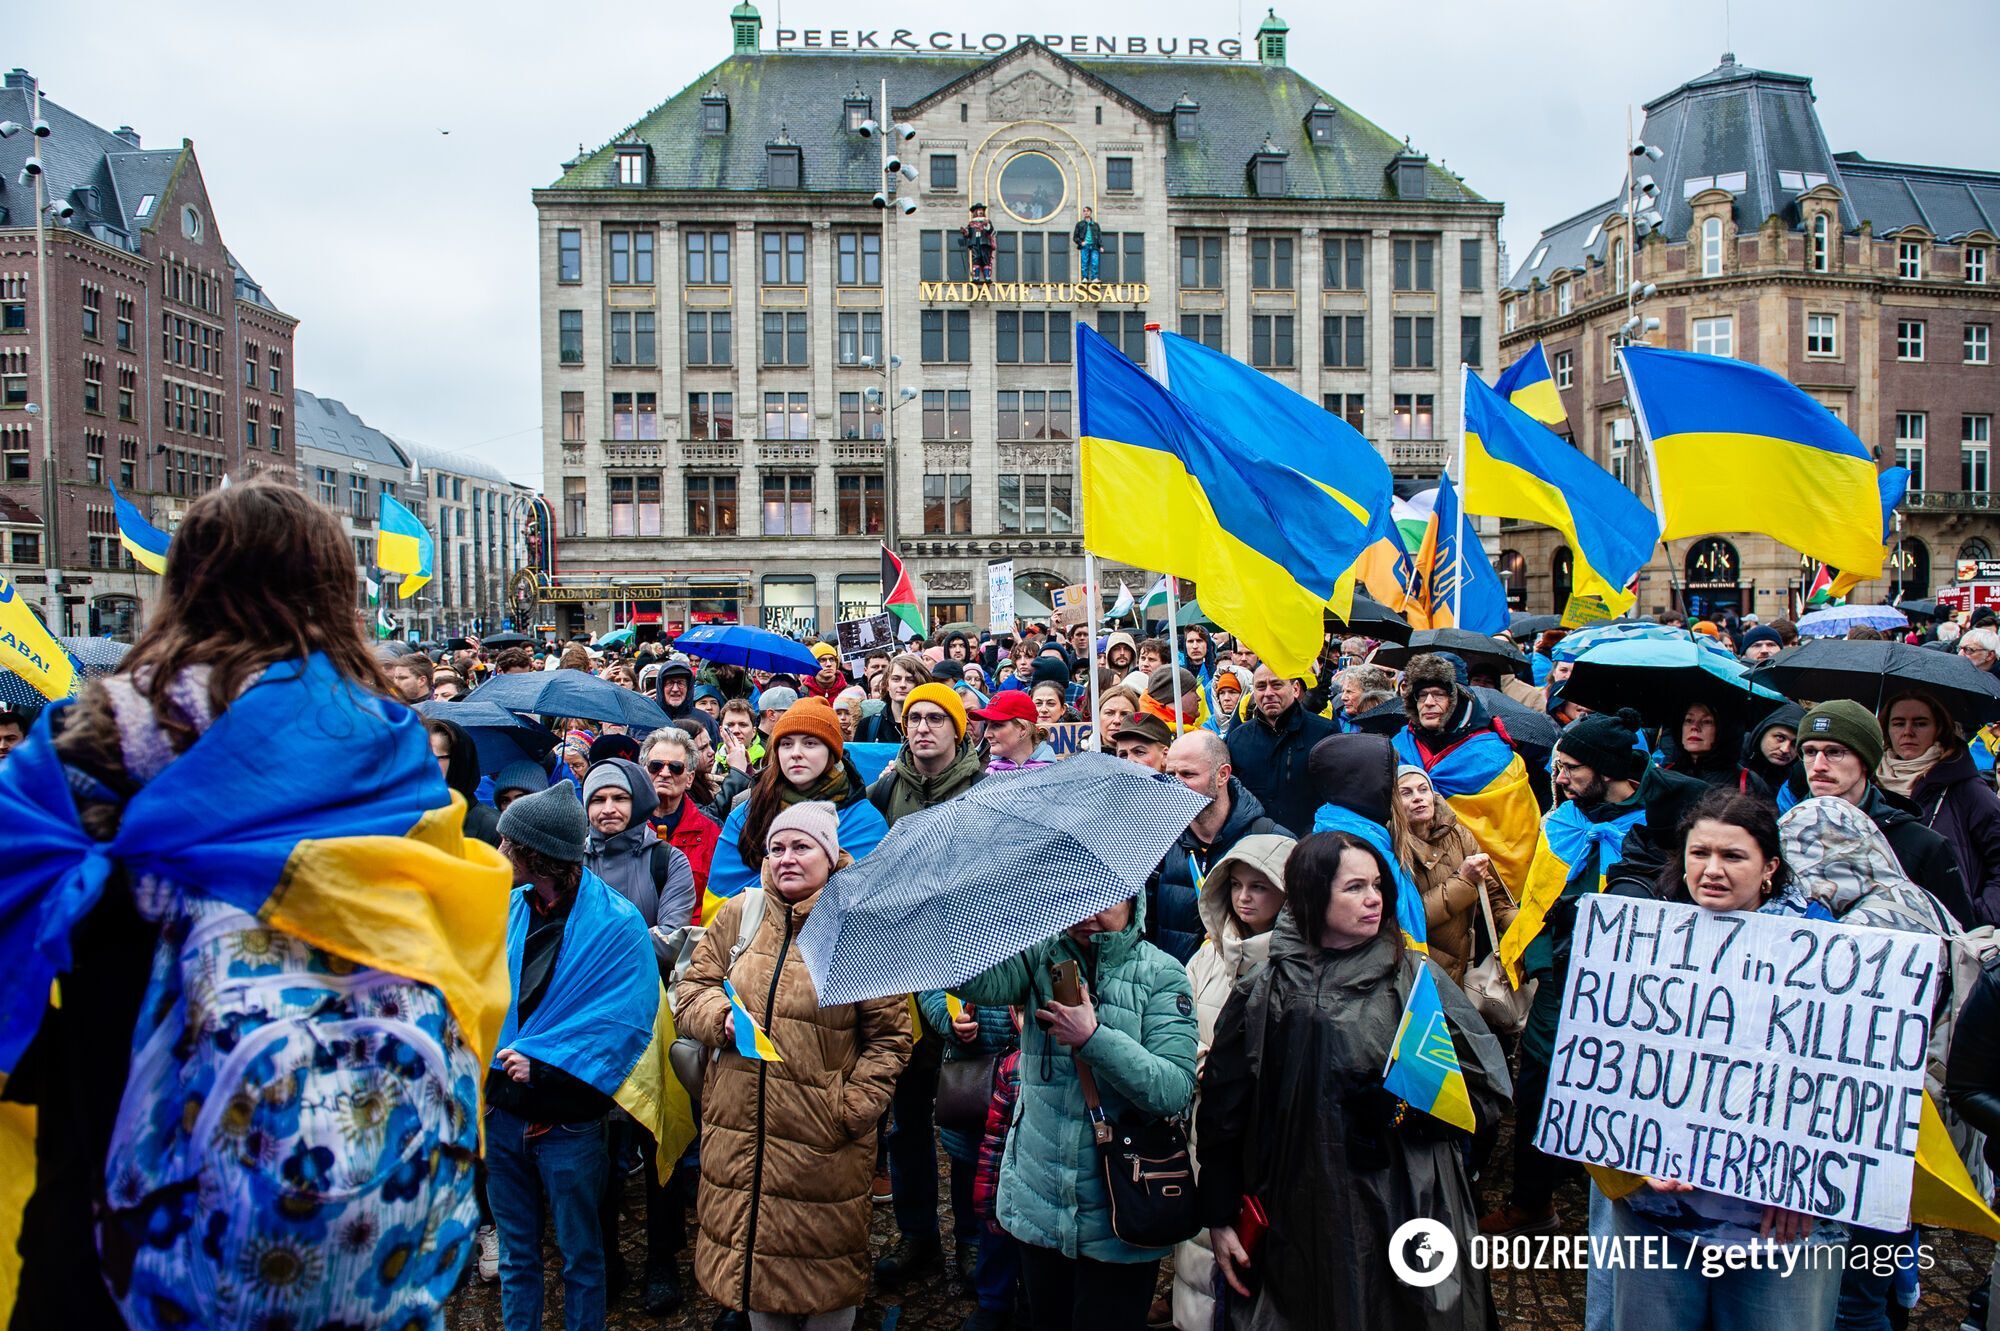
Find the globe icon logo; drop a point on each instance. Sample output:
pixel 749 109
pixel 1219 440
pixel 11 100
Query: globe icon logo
pixel 1422 1252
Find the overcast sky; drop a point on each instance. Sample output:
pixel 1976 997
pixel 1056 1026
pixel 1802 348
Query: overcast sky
pixel 408 254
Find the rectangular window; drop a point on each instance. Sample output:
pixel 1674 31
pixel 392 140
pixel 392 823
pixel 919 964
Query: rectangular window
pixel 711 505
pixel 1975 265
pixel 1350 407
pixel 942 258
pixel 1271 341
pixel 1411 265
pixel 1978 344
pixel 573 506
pixel 945 336
pixel 1118 175
pixel 623 419
pixel 1470 261
pixel 1342 268
pixel 1342 341
pixel 1123 258
pixel 1126 330
pixel 1271 263
pixel 13 316
pixel 1469 338
pixel 622 522
pixel 569 336
pixel 784 258
pixel 1715 337
pixel 1565 297
pixel 276 369
pixel 858 256
pixel 708 338
pixel 1909 339
pixel 707 257
pixel 1562 368
pixel 711 416
pixel 860 418
pixel 572 418
pixel 1822 335
pixel 1203 328
pixel 1975 454
pixel 1035 503
pixel 1910 260
pixel 944 170
pixel 1201 263
pixel 858 505
pixel 859 337
pixel 1034 414
pixel 786 416
pixel 569 255
pixel 788 505
pixel 1032 337
pixel 1415 342
pixel 785 337
pixel 1618 451
pixel 618 253
pixel 1411 416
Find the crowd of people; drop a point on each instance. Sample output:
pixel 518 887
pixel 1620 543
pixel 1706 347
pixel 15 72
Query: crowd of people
pixel 1251 991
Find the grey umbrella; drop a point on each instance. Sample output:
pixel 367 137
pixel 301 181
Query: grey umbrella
pixel 97 657
pixel 1015 860
pixel 571 693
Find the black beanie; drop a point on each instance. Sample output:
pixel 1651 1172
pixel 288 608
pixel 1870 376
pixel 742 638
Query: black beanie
pixel 1356 772
pixel 1048 669
pixel 1606 742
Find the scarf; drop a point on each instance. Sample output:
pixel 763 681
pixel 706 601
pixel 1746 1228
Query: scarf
pixel 1409 900
pixel 832 787
pixel 1573 842
pixel 1902 774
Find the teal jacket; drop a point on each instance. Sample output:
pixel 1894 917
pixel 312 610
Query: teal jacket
pixel 1142 1054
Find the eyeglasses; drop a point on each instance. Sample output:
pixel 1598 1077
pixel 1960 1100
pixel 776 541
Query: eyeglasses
pixel 924 720
pixel 672 769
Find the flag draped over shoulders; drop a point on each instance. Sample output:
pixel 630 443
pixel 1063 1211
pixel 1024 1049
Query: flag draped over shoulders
pixel 602 1002
pixel 1409 899
pixel 1568 841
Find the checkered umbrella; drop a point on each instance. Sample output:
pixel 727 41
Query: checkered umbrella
pixel 977 879
pixel 95 657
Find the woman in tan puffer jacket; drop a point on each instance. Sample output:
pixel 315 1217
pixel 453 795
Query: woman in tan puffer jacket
pixel 1448 867
pixel 788 1148
pixel 1241 897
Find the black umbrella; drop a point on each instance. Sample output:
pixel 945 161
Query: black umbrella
pixel 1872 672
pixel 571 693
pixel 507 639
pixel 1926 608
pixel 1468 646
pixel 1369 618
pixel 500 736
pixel 1527 626
pixel 1530 730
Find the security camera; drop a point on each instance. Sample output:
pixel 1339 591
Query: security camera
pixel 881 200
pixel 892 166
pixel 9 128
pixel 909 206
pixel 64 210
pixel 907 132
pixel 867 129
pixel 41 128
pixel 909 172
pixel 30 169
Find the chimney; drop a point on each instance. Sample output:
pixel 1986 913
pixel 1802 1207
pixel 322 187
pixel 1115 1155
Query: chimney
pixel 22 79
pixel 127 133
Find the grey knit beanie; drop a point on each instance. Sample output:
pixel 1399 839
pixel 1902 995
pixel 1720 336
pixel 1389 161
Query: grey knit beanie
pixel 625 775
pixel 520 775
pixel 550 821
pixel 816 818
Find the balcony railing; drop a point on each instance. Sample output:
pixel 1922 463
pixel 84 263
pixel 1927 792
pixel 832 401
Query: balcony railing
pixel 1418 454
pixel 1949 501
pixel 789 450
pixel 650 453
pixel 712 453
pixel 858 452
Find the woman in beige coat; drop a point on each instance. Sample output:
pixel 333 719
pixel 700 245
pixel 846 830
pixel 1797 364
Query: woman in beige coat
pixel 1448 867
pixel 788 1148
pixel 1241 897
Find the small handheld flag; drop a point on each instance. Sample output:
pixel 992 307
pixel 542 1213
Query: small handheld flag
pixel 29 650
pixel 899 595
pixel 1155 599
pixel 146 543
pixel 1123 605
pixel 1528 384
pixel 751 1041
pixel 1423 1065
pixel 404 547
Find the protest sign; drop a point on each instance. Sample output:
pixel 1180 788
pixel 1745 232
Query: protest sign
pixel 1068 737
pixel 862 637
pixel 1767 1057
pixel 1069 605
pixel 1000 596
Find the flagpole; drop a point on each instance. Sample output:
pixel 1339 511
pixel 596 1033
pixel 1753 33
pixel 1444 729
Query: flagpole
pixel 1091 599
pixel 1458 502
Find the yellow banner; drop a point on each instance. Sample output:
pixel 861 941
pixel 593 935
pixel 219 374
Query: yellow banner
pixel 29 650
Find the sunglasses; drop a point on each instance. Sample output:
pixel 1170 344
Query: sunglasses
pixel 672 769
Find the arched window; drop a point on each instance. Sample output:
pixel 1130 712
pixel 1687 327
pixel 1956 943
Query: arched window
pixel 1562 577
pixel 1910 570
pixel 1711 247
pixel 1976 548
pixel 1819 253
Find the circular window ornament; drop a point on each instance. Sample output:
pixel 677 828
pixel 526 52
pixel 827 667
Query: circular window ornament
pixel 1032 187
pixel 191 223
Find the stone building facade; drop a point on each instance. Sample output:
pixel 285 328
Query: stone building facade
pixel 1870 285
pixel 725 311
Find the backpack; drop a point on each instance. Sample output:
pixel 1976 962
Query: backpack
pixel 690 1057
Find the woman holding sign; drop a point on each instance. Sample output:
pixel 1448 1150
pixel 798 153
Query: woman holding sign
pixel 1730 861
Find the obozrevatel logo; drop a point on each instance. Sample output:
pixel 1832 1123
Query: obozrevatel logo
pixel 1422 1252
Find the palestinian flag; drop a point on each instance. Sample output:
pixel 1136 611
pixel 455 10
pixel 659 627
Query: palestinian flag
pixel 899 595
pixel 1821 591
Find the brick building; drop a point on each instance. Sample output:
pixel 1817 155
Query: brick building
pixel 719 297
pixel 168 366
pixel 1870 285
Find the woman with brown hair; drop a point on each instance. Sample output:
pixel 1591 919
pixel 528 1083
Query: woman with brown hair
pixel 243 785
pixel 905 672
pixel 1449 869
pixel 1928 764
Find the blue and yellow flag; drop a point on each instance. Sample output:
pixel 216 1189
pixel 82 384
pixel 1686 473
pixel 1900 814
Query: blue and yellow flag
pixel 1513 467
pixel 1170 489
pixel 1423 1064
pixel 653 1094
pixel 1528 384
pixel 1569 840
pixel 404 546
pixel 1737 448
pixel 1486 784
pixel 146 543
pixel 751 1039
pixel 1895 483
pixel 1452 582
pixel 28 649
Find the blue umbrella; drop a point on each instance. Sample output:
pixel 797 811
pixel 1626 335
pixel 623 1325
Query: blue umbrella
pixel 501 736
pixel 1835 620
pixel 571 693
pixel 1661 677
pixel 1054 845
pixel 615 638
pixel 753 649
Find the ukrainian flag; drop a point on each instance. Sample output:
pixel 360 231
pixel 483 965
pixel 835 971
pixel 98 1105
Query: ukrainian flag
pixel 1737 448
pixel 751 1040
pixel 146 543
pixel 28 649
pixel 1423 1063
pixel 403 546
pixel 1528 384
pixel 1568 841
pixel 1514 468
pixel 1895 483
pixel 309 803
pixel 1167 488
pixel 1486 784
pixel 1453 584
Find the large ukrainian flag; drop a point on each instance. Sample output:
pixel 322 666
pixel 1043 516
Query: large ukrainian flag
pixel 146 543
pixel 1895 483
pixel 1165 488
pixel 1486 784
pixel 1512 467
pixel 403 546
pixel 1528 384
pixel 1737 448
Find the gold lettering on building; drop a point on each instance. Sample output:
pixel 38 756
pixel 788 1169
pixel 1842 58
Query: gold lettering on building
pixel 1037 293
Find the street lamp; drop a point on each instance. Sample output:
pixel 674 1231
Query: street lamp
pixel 895 136
pixel 34 172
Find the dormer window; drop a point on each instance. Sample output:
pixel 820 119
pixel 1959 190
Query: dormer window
pixel 632 165
pixel 1319 123
pixel 857 107
pixel 1408 172
pixel 1267 171
pixel 1185 129
pixel 714 112
pixel 784 162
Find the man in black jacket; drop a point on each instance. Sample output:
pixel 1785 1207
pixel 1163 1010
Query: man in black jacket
pixel 1199 761
pixel 1268 752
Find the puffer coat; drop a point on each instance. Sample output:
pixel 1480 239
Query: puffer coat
pixel 788 1149
pixel 1451 900
pixel 1142 1055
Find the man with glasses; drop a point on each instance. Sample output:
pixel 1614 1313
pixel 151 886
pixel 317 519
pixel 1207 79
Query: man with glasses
pixel 671 757
pixel 1982 648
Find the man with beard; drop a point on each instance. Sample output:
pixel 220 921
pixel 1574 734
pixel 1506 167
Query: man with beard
pixel 1598 767
pixel 1199 760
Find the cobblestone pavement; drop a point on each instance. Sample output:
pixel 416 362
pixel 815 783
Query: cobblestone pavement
pixel 1541 1301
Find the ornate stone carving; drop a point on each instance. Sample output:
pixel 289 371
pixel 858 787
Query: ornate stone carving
pixel 948 580
pixel 1032 96
pixel 1037 457
pixel 944 457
